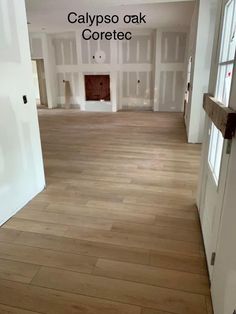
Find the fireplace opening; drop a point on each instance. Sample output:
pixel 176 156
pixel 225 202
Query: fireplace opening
pixel 97 87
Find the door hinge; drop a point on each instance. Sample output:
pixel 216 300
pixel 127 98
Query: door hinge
pixel 228 148
pixel 213 258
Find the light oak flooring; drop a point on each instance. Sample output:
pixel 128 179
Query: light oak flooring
pixel 116 231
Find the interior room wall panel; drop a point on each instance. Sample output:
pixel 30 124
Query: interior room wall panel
pixel 145 49
pixel 127 62
pixel 58 51
pixel 105 46
pixel 136 90
pixel 36 48
pixel 85 54
pixel 173 47
pixel 137 77
pixel 65 51
pixel 143 88
pixel 125 86
pixel 60 84
pixel 76 83
pixel 170 72
pixel 92 48
pixel 138 50
pixel 171 91
pixel 42 48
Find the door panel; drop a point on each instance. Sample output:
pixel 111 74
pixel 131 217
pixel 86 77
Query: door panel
pixel 223 286
pixel 213 200
pixel 216 157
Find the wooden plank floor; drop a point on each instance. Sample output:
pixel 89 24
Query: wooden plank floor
pixel 116 230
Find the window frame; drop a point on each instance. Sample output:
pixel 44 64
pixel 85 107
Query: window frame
pixel 222 65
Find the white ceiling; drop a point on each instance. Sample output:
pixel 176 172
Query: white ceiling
pixel 51 15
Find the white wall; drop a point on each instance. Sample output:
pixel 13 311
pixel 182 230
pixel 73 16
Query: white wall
pixel 207 12
pixel 21 165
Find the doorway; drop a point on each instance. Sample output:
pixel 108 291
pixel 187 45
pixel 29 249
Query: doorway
pixel 40 90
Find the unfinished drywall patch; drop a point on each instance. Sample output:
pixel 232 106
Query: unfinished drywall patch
pixel 105 46
pixel 171 90
pixel 173 47
pixel 136 77
pixel 73 79
pixel 65 51
pixel 90 47
pixel 75 85
pixel 170 73
pixel 60 84
pixel 139 50
pixel 58 51
pixel 136 90
pixel 36 48
pixel 66 58
pixel 133 50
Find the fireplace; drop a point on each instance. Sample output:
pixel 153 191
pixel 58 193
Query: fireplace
pixel 97 87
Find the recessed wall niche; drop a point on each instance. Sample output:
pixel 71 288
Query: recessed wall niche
pixel 97 87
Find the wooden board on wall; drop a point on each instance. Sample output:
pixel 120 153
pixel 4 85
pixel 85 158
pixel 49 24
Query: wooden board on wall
pixel 223 117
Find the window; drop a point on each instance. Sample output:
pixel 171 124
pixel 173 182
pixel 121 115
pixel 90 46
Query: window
pixel 215 152
pixel 223 84
pixel 227 51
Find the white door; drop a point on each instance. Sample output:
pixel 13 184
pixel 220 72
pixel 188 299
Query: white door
pixel 223 284
pixel 216 170
pixel 216 163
